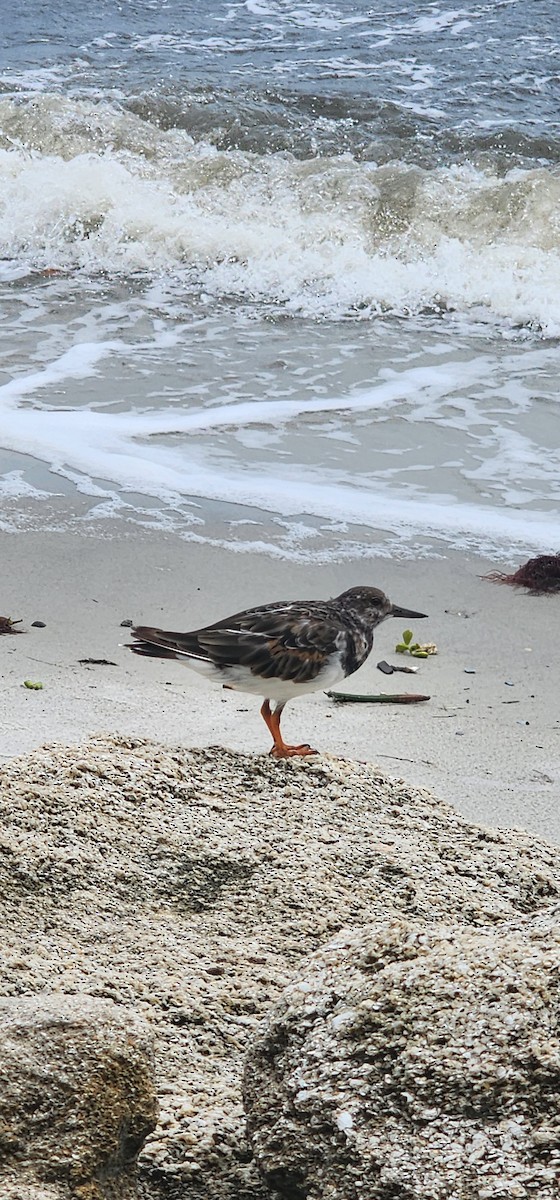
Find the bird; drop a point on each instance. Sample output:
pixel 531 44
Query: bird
pixel 280 650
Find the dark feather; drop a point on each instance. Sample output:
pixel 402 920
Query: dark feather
pixel 285 640
pixel 277 642
pixel 149 650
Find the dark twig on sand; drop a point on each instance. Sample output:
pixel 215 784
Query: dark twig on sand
pixel 381 698
pixel 7 625
pixel 97 662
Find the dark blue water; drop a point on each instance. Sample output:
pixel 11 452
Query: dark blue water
pixel 422 82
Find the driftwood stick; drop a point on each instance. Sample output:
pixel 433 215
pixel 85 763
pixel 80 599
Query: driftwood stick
pixel 381 698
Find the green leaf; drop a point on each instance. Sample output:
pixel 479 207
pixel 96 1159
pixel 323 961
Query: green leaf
pixel 400 648
pixel 35 687
pixel 407 636
pixel 418 652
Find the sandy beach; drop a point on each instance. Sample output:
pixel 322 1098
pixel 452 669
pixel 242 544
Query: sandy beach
pixel 488 740
pixel 280 296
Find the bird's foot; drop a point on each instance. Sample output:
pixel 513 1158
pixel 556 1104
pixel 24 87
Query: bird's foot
pixel 283 751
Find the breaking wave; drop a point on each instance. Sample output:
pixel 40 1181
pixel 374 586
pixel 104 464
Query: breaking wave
pixel 88 187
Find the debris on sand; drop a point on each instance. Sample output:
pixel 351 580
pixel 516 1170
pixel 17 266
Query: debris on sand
pixel 540 575
pixel 97 662
pixel 417 649
pixel 389 668
pixel 379 698
pixel 8 625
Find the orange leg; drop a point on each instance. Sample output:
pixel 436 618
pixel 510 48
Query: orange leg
pixel 280 749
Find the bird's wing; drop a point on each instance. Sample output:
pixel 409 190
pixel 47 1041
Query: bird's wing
pixel 289 641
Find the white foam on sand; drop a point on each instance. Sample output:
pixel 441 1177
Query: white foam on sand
pixel 160 454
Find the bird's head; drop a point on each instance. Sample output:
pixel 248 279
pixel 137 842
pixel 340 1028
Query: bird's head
pixel 372 605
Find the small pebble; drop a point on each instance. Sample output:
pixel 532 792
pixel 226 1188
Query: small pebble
pixel 385 667
pixel 38 625
pixel 127 624
pixel 508 683
pixel 469 671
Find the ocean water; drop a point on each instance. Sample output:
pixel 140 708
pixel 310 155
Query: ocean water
pixel 284 274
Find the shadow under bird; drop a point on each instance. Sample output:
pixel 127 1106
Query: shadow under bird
pixel 280 650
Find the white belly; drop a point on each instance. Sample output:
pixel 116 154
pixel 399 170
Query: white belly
pixel 240 679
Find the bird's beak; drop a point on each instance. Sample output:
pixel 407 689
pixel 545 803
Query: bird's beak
pixel 405 612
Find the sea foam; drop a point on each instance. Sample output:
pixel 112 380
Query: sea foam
pixel 87 187
pixel 175 455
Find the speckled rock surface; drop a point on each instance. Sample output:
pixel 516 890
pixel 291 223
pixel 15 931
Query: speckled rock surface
pixel 192 885
pixel 77 1097
pixel 414 1061
pixel 27 1190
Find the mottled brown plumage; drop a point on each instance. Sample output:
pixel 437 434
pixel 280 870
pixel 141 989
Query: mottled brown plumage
pixel 280 650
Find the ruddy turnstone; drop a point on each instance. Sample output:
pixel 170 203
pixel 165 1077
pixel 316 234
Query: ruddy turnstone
pixel 280 650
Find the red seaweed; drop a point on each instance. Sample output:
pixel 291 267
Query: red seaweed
pixel 539 575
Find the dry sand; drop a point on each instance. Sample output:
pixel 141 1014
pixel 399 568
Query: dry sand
pixel 488 741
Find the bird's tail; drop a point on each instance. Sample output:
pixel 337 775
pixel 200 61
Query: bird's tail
pixel 150 650
pixel 151 642
pixel 163 643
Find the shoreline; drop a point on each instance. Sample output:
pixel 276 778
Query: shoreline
pixel 488 741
